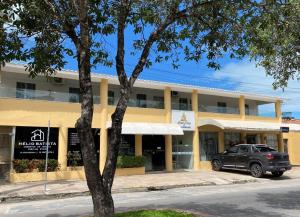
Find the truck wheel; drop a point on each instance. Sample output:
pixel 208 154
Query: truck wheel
pixel 256 170
pixel 216 165
pixel 277 173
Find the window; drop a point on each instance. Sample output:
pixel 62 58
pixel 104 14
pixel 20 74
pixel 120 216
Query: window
pixel 141 100
pixel 127 146
pixel 247 109
pixel 208 145
pixel 159 102
pixel 231 139
pixel 233 149
pixel 285 145
pixel 74 94
pixel 243 149
pixel 222 107
pixel 183 104
pixel 263 149
pixel 25 90
pixel 111 97
pixel 272 141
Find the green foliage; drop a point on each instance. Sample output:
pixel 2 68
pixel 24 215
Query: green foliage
pixel 130 161
pixel 21 166
pixel 73 158
pixel 154 213
pixel 25 165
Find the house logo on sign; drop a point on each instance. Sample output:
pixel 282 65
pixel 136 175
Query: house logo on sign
pixel 184 122
pixel 37 136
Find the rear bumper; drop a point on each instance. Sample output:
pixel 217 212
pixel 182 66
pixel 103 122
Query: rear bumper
pixel 278 168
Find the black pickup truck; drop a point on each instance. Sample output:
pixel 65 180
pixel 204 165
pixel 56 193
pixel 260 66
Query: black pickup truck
pixel 258 159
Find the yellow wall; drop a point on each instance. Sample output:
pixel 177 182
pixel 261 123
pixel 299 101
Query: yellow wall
pixel 293 146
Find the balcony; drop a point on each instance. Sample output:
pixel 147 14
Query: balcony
pixel 47 95
pixel 217 109
pixel 140 103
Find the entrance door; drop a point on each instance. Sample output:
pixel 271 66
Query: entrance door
pixel 208 145
pixel 5 156
pixel 251 139
pixel 154 152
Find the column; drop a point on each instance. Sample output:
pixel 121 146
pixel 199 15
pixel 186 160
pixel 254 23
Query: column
pixel 244 137
pixel 138 145
pixel 278 110
pixel 221 142
pixel 168 138
pixel 196 143
pixel 168 152
pixel 280 142
pixel 242 107
pixel 103 131
pixel 63 148
pixel 263 138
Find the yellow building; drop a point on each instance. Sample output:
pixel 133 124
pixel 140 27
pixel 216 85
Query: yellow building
pixel 173 126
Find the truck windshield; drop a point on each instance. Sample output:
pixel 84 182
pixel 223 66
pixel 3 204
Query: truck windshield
pixel 263 149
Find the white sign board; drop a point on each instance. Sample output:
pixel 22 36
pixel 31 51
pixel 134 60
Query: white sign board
pixel 185 119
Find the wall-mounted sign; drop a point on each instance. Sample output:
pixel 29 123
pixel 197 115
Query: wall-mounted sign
pixel 185 119
pixel 31 143
pixel 284 129
pixel 74 149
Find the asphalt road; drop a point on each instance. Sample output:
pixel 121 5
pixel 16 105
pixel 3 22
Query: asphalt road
pixel 268 199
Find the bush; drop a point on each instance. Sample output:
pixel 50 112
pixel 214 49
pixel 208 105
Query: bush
pixel 21 166
pixel 130 161
pixel 52 165
pixel 25 165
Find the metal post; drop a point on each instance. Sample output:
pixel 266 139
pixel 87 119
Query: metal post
pixel 46 163
pixel 12 139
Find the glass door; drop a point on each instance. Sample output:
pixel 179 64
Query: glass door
pixel 208 145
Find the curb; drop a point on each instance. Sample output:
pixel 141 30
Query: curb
pixel 14 199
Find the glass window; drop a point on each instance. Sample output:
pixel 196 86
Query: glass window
pixel 127 146
pixel 243 149
pixel 247 110
pixel 25 90
pixel 141 100
pixel 183 104
pixel 285 145
pixel 263 149
pixel 233 149
pixel 208 145
pixel 159 101
pixel 272 141
pixel 222 107
pixel 231 139
pixel 111 97
pixel 74 94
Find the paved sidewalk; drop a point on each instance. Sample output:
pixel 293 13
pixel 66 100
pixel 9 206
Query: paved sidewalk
pixel 148 182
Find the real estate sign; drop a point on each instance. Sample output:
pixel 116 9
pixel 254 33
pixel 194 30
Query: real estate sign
pixel 31 143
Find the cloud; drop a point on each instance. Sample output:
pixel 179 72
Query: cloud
pixel 247 77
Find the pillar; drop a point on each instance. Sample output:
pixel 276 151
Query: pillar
pixel 168 152
pixel 63 148
pixel 168 104
pixel 242 107
pixel 103 131
pixel 263 139
pixel 278 110
pixel 138 145
pixel 196 143
pixel 280 142
pixel 221 142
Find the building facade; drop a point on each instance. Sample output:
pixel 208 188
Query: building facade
pixel 173 126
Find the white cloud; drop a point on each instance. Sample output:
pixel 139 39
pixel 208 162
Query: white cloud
pixel 249 78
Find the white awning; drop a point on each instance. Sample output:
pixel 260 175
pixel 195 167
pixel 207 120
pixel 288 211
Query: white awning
pixel 141 128
pixel 242 125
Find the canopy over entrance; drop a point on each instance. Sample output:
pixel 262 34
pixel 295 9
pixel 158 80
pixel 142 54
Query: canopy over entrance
pixel 142 128
pixel 247 125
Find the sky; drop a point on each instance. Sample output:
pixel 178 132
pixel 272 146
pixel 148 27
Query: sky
pixel 239 75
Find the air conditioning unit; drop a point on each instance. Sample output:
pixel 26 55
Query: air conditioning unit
pixel 57 80
pixel 174 93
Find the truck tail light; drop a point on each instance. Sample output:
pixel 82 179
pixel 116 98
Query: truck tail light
pixel 269 156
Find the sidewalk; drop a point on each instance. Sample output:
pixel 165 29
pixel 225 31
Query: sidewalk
pixel 149 182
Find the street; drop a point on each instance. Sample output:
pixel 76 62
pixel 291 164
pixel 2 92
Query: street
pixel 269 199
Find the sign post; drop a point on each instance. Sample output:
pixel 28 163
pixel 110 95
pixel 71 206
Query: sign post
pixel 46 162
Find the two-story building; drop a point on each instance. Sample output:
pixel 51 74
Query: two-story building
pixel 174 126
